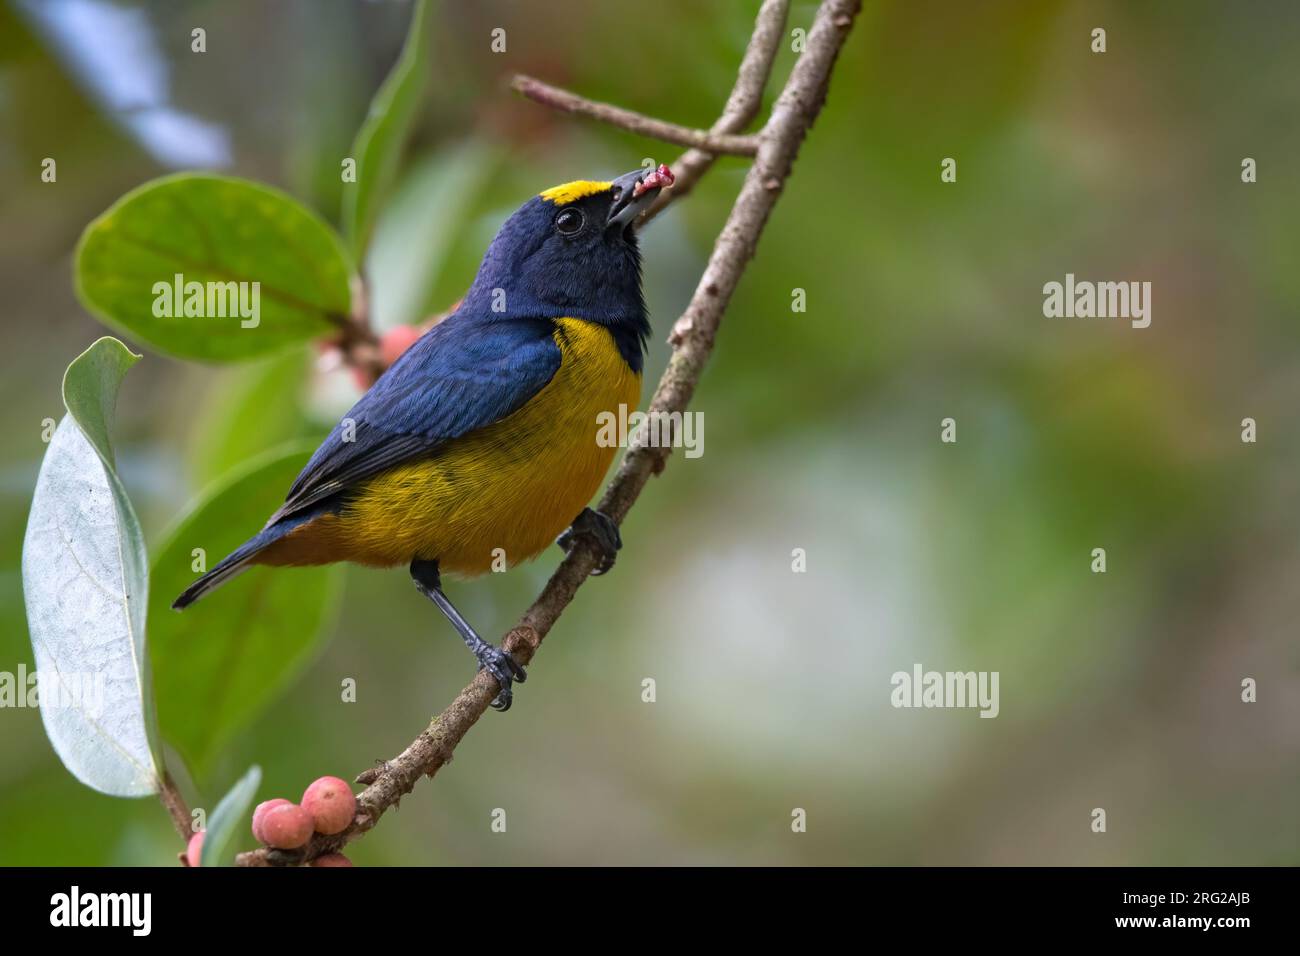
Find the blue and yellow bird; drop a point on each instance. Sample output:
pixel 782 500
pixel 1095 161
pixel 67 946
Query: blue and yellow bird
pixel 482 439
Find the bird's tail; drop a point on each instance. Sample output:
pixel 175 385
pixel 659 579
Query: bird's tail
pixel 239 560
pixel 232 565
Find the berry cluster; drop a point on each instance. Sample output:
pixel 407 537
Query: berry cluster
pixel 327 807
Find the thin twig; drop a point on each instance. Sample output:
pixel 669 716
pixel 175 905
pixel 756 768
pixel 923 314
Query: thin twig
pixel 176 807
pixel 742 105
pixel 692 338
pixel 642 125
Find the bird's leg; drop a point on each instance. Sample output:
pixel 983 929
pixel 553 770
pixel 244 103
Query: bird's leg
pixel 601 529
pixel 496 661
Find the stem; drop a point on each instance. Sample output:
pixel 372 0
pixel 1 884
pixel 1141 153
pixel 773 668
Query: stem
pixel 176 807
pixel 567 102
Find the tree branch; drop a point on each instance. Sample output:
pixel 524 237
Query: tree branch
pixel 566 102
pixel 692 338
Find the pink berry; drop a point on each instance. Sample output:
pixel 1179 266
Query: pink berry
pixel 194 851
pixel 331 859
pixel 286 827
pixel 331 804
pixel 260 814
pixel 396 341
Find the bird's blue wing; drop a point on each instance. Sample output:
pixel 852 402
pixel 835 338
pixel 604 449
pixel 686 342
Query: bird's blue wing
pixel 460 376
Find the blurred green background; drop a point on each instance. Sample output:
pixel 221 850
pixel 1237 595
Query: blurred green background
pixel 924 299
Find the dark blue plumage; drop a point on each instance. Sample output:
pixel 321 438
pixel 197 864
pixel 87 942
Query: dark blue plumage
pixel 537 276
pixel 464 374
pixel 567 255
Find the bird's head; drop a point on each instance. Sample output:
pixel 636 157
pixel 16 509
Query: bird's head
pixel 571 251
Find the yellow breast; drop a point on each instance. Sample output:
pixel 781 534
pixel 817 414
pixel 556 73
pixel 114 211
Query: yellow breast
pixel 499 495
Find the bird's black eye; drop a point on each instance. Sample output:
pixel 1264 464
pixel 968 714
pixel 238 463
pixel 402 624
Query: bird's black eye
pixel 569 221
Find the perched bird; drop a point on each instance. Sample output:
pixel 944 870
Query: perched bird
pixel 483 435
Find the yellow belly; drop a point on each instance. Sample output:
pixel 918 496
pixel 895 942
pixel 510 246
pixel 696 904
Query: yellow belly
pixel 496 496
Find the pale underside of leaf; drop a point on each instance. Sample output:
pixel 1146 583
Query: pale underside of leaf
pixel 86 623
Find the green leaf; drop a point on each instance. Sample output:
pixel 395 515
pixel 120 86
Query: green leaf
pixel 218 230
pixel 224 822
pixel 219 663
pixel 378 145
pixel 424 227
pixel 86 585
pixel 250 409
pixel 90 387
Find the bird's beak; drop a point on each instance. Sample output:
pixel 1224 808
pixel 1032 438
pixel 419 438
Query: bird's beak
pixel 634 192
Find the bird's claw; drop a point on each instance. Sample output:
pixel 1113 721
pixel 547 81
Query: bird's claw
pixel 505 670
pixel 602 530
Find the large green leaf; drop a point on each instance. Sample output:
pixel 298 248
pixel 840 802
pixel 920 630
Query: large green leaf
pixel 213 230
pixel 378 145
pixel 221 661
pixel 224 822
pixel 86 585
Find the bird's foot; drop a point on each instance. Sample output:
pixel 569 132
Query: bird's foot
pixel 600 528
pixel 504 669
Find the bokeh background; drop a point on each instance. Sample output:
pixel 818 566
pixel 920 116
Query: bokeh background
pixel 1119 691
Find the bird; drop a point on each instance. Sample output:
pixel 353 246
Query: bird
pixel 480 443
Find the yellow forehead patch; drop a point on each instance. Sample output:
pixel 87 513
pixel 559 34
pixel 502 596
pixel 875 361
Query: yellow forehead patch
pixel 572 192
